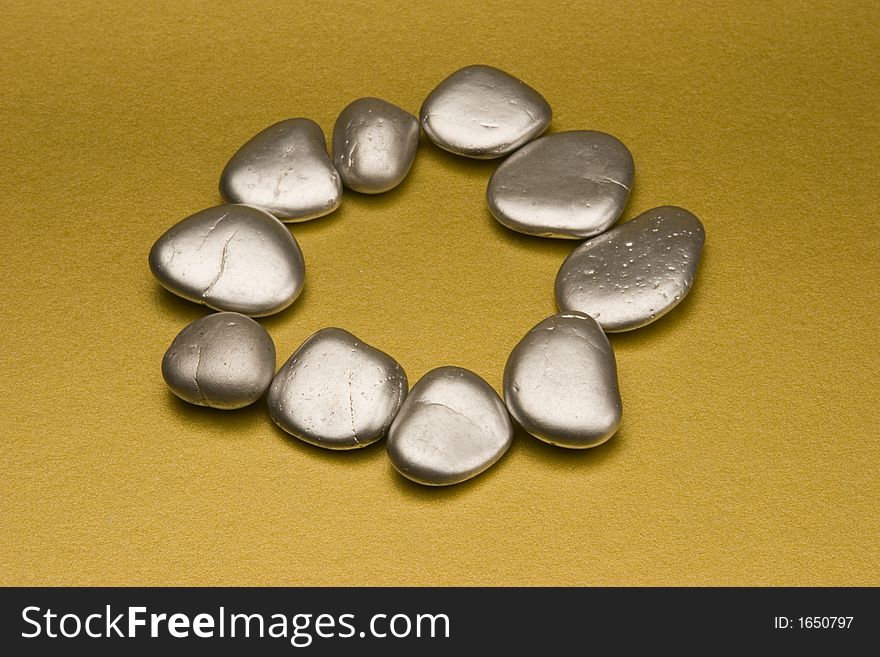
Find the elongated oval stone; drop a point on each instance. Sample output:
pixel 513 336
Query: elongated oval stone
pixel 634 273
pixel 231 257
pixel 374 145
pixel 484 113
pixel 569 184
pixel 284 169
pixel 560 382
pixel 224 360
pixel 452 427
pixel 337 392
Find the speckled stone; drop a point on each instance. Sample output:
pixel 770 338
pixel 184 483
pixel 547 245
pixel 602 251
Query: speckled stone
pixel 635 273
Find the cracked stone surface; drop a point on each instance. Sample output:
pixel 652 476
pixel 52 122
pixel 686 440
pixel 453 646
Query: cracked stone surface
pixel 225 360
pixel 452 427
pixel 336 391
pixel 231 257
pixel 286 170
pixel 635 273
pixel 571 185
pixel 560 382
pixel 484 113
pixel 374 145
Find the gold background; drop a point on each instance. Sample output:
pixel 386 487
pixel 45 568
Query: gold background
pixel 750 444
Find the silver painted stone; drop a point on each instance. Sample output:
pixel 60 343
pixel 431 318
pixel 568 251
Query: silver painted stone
pixel 337 392
pixel 284 169
pixel 231 257
pixel 451 427
pixel 569 184
pixel 224 360
pixel 634 273
pixel 374 145
pixel 484 113
pixel 560 382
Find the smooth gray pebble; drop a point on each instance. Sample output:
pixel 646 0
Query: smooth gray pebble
pixel 452 427
pixel 560 382
pixel 571 185
pixel 484 113
pixel 225 360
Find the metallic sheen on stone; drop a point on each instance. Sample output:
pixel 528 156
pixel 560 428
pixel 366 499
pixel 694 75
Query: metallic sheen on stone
pixel 569 184
pixel 231 257
pixel 374 145
pixel 560 382
pixel 634 273
pixel 451 427
pixel 224 360
pixel 284 169
pixel 484 113
pixel 337 392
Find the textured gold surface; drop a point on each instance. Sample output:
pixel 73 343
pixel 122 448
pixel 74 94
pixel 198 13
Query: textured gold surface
pixel 750 443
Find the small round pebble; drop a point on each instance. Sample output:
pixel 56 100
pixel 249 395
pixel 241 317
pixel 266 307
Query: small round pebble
pixel 231 257
pixel 483 112
pixel 452 427
pixel 337 392
pixel 224 360
pixel 569 184
pixel 636 272
pixel 374 145
pixel 286 170
pixel 560 382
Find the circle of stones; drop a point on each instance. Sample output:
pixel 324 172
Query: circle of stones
pixel 337 392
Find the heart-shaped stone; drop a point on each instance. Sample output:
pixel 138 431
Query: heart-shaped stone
pixel 286 170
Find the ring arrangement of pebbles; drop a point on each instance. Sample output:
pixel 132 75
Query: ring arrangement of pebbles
pixel 336 391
